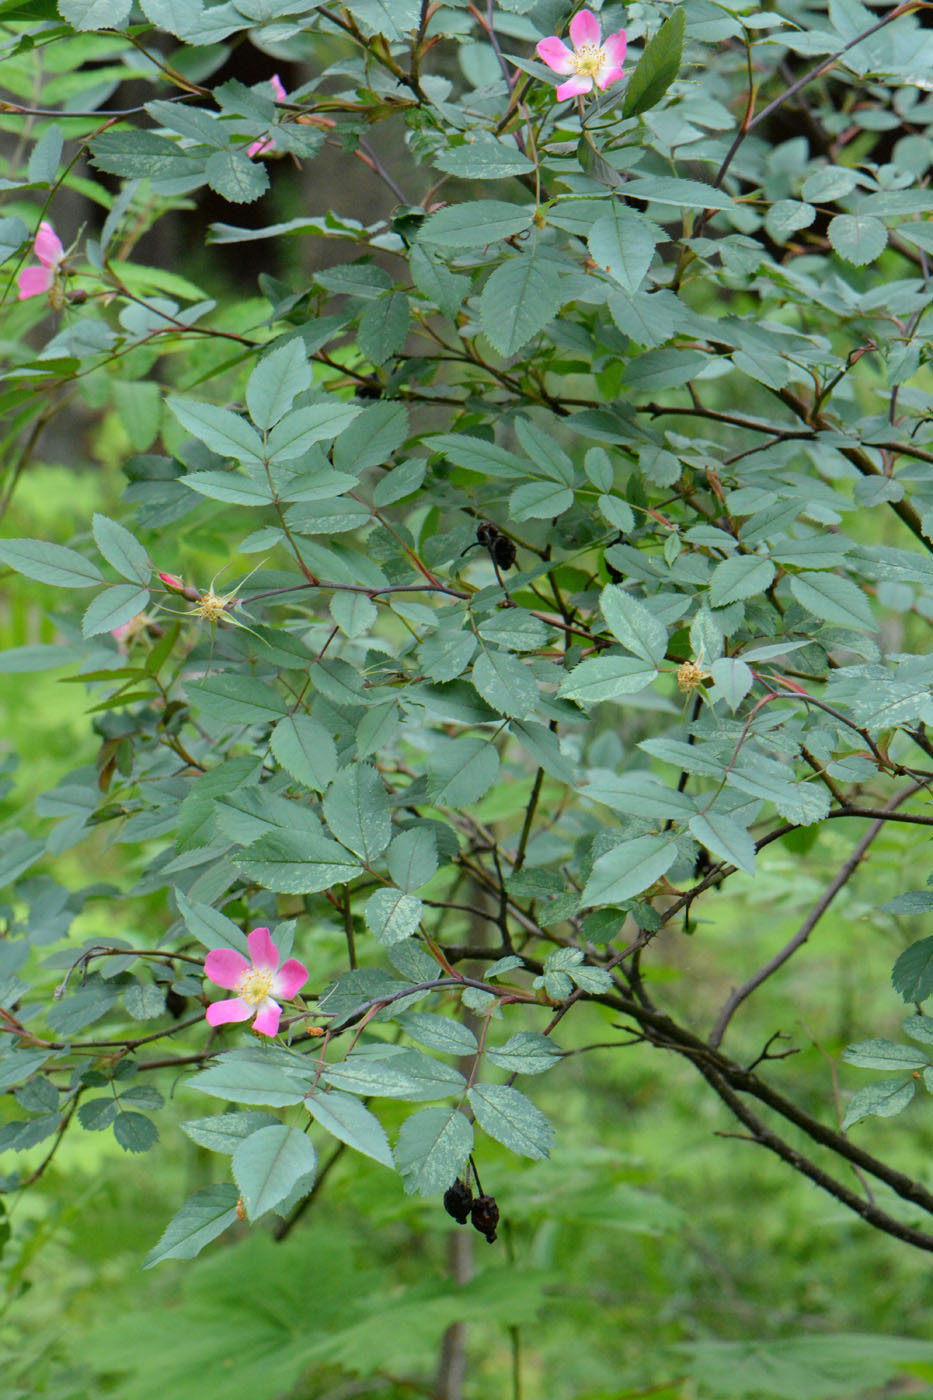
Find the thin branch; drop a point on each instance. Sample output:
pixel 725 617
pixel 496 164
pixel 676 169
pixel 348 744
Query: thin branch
pixel 739 994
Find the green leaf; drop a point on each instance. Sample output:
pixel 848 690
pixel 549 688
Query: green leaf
pixel 306 750
pixel 885 1054
pixel 344 1117
pixel 251 1082
pixel 223 1132
pixel 203 1217
pixel 13 234
pixel 139 408
pixel 116 605
pixel 412 857
pixel 657 68
pixel 540 500
pixel 628 869
pixel 517 302
pixel 356 808
pixel 475 224
pixel 432 1149
pixel 685 194
pixel 122 550
pixel 742 576
pixel 859 238
pixel 884 1099
pixel 303 427
pixel 800 803
pixel 144 1001
pixel 733 678
pixel 354 613
pixel 461 771
pixel 506 683
pixel 236 699
pixel 371 439
pixel 912 974
pixel 483 159
pixel 834 599
pixel 237 178
pixel 383 327
pixel 269 1164
pixel 786 216
pixel 439 1032
pixel 209 926
pixel 230 487
pixel 49 563
pixel 526 1052
pixel 135 1132
pixel 512 1119
pixel 408 1075
pixel 631 623
pixel 393 916
pixel 224 432
pixel 279 377
pixel 725 838
pixel 297 863
pixel 95 14
pixel 604 677
pixel 622 243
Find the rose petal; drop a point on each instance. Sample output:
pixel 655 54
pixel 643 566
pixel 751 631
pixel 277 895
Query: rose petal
pixel 556 55
pixel 267 1021
pixel 277 86
pixel 584 28
pixel 575 87
pixel 290 978
pixel 615 48
pixel 33 281
pixel 48 246
pixel 225 966
pixel 606 76
pixel 262 950
pixel 236 1009
pixel 259 148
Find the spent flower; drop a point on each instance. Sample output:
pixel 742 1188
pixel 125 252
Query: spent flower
pixel 256 982
pixel 591 60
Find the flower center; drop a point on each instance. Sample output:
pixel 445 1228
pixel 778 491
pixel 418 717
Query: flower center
pixel 588 60
pixel 212 605
pixel 254 986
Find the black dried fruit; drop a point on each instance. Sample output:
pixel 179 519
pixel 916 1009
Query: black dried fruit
pixel 484 1216
pixel 457 1201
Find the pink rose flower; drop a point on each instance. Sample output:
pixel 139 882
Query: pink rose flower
pixel 256 983
pixel 590 61
pixel 47 246
pixel 267 143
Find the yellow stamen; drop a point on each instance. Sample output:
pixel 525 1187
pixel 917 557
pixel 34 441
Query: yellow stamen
pixel 255 985
pixel 588 60
pixel 213 605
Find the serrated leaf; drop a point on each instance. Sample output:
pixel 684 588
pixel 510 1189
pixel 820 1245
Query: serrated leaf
pixel 297 863
pixel 742 576
pixel 632 625
pixel 628 869
pixel 859 238
pixel 725 839
pixel 49 563
pixel 304 427
pixel 250 1082
pixel 279 377
pixel 461 771
pixel 224 432
pixel 237 178
pixel 883 1099
pixel 117 604
pixel 223 1132
pixel 95 14
pixel 517 302
pixel 474 224
pixel 834 599
pixel 439 1032
pixel 392 915
pixel 526 1052
pixel 269 1164
pixel 882 1053
pixel 122 549
pixel 432 1149
pixel 347 1119
pixel 135 1132
pixel 356 808
pixel 622 244
pixel 306 750
pixel 237 699
pixel 540 500
pixel 912 974
pixel 409 1075
pixel 383 327
pixel 412 857
pixel 203 1217
pixel 506 683
pixel 605 677
pixel 657 68
pixel 512 1119
pixel 209 926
